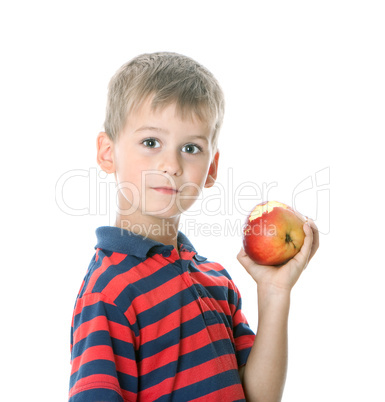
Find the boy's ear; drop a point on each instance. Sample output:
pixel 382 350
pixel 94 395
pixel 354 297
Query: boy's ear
pixel 104 156
pixel 213 171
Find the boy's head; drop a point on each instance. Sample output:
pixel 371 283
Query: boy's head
pixel 166 78
pixel 164 112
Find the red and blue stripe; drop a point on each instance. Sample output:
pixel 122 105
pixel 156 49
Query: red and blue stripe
pixel 150 324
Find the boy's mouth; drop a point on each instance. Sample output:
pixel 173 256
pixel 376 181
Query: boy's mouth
pixel 166 190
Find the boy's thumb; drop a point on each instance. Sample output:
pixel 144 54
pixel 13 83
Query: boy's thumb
pixel 244 259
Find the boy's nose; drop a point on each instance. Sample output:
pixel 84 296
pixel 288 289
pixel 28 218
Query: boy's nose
pixel 170 163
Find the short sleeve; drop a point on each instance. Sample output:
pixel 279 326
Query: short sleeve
pixel 243 334
pixel 102 352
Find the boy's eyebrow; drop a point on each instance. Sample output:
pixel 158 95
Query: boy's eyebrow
pixel 151 128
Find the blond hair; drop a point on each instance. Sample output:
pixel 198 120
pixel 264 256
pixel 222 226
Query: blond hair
pixel 167 78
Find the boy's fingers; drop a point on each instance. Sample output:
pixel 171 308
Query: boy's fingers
pixel 303 257
pixel 315 239
pixel 315 233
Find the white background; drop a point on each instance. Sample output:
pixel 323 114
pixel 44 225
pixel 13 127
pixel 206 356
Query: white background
pixel 304 85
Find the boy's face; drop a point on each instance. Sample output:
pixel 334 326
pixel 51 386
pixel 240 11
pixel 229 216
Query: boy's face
pixel 160 161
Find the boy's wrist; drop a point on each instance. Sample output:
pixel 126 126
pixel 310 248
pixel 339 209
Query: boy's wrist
pixel 271 296
pixel 273 290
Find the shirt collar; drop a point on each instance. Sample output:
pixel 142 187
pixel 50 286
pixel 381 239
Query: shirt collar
pixel 119 240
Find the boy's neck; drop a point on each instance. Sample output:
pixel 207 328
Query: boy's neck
pixel 161 230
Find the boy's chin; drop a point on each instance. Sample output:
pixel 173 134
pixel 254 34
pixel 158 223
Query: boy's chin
pixel 158 211
pixel 168 211
pixel 162 214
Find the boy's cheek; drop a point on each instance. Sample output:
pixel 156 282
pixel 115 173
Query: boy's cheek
pixel 187 198
pixel 190 191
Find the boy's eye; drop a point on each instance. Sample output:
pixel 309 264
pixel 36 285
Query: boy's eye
pixel 151 143
pixel 192 149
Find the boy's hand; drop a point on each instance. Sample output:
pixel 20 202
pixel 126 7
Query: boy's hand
pixel 283 278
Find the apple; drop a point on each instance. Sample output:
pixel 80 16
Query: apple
pixel 273 233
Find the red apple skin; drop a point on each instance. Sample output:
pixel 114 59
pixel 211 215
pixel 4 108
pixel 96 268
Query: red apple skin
pixel 273 233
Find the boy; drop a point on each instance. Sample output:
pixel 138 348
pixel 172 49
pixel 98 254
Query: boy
pixel 153 319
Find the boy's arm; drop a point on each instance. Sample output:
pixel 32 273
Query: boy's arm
pixel 264 375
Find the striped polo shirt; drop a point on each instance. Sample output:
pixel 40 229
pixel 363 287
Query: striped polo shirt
pixel 151 324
